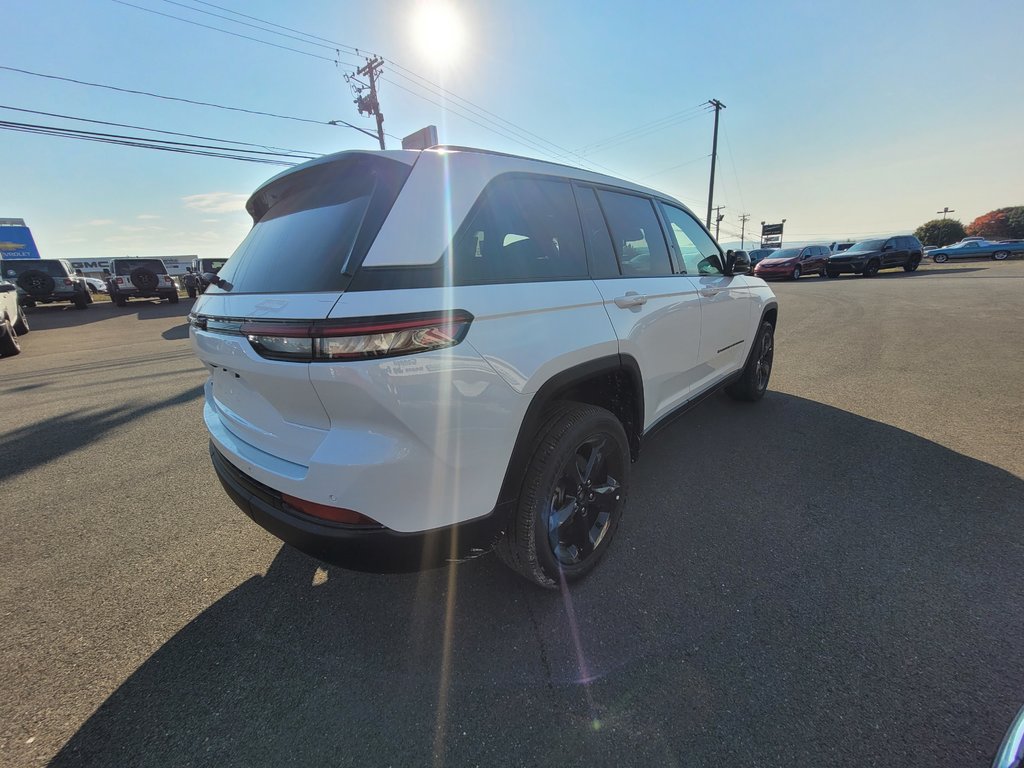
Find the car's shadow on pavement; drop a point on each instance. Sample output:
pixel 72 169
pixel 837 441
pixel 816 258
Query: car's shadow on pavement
pixel 52 316
pixel 793 585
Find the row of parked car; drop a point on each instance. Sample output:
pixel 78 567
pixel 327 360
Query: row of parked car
pixel 868 257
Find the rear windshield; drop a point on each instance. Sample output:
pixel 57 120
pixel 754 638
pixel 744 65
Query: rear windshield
pixel 124 268
pixel 211 265
pixel 14 268
pixel 317 226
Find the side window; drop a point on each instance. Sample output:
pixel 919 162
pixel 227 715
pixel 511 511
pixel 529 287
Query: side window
pixel 522 229
pixel 636 234
pixel 603 263
pixel 697 250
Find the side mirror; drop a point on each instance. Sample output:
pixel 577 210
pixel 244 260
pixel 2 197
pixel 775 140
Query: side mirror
pixel 212 279
pixel 886 247
pixel 737 263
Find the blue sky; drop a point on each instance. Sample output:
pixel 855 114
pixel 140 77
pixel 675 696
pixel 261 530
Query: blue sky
pixel 847 119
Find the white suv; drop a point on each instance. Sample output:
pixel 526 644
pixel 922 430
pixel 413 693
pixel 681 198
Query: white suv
pixel 419 356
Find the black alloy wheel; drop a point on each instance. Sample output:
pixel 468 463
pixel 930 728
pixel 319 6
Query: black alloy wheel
pixel 9 344
pixel 582 503
pixel 870 269
pixel 572 496
pixel 21 325
pixel 912 265
pixel 753 381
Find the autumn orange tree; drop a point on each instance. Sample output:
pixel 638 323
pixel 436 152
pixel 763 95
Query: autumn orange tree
pixel 1000 223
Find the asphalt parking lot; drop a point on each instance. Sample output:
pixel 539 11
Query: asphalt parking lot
pixel 829 577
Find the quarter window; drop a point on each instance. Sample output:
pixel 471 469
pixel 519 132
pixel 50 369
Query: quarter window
pixel 697 250
pixel 636 234
pixel 522 229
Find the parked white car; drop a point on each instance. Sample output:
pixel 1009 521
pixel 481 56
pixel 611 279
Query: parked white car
pixel 13 322
pixel 420 356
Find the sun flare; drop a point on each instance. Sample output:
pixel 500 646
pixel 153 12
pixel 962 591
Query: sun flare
pixel 438 32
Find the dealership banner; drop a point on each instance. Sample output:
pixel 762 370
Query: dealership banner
pixel 16 240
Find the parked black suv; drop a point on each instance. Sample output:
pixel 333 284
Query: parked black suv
pixel 43 281
pixel 868 256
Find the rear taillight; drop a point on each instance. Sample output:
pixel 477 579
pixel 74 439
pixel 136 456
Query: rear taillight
pixel 337 340
pixel 68 282
pixel 120 281
pixel 167 279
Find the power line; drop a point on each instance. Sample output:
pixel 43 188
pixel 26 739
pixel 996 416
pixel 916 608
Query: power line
pixel 186 101
pixel 517 132
pixel 139 142
pixel 646 129
pixel 674 167
pixel 226 31
pixel 300 153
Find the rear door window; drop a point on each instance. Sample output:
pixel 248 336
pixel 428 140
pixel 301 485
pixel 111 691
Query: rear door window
pixel 522 229
pixel 603 263
pixel 636 234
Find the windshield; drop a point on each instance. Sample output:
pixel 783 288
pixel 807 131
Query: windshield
pixel 786 253
pixel 14 267
pixel 867 245
pixel 125 266
pixel 323 223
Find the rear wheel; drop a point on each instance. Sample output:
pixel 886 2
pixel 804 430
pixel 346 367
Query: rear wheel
pixel 118 299
pixel 9 344
pixel 824 272
pixel 1000 255
pixel 174 299
pixel 572 497
pixel 753 382
pixel 796 273
pixel 870 269
pixel 912 265
pixel 940 258
pixel 81 300
pixel 832 273
pixel 21 325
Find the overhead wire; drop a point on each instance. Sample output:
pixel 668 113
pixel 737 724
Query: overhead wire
pixel 300 153
pixel 227 153
pixel 646 128
pixel 187 101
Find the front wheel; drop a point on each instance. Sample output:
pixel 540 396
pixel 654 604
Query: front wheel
pixel 21 325
pixel 572 497
pixel 832 273
pixel 9 344
pixel 824 272
pixel 870 269
pixel 1000 255
pixel 940 258
pixel 753 382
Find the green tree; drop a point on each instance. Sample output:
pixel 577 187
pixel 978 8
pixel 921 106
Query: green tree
pixel 940 232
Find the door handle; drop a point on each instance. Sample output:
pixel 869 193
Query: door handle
pixel 707 293
pixel 631 299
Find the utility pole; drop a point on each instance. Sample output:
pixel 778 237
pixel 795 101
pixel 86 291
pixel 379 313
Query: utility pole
pixel 718 218
pixel 946 210
pixel 369 104
pixel 719 106
pixel 743 230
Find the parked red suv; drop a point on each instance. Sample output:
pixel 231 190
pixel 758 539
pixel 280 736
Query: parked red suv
pixel 793 262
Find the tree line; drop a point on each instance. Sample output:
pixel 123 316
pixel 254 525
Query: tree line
pixel 1000 224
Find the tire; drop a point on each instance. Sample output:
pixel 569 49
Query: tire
pixel 796 274
pixel 580 444
pixel 832 273
pixel 824 272
pixel 36 283
pixel 21 325
pixel 870 269
pixel 144 279
pixel 118 299
pixel 912 265
pixel 174 299
pixel 9 344
pixel 1000 255
pixel 753 382
pixel 940 258
pixel 81 301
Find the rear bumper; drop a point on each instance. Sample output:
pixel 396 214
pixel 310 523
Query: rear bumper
pixel 49 298
pixel 376 549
